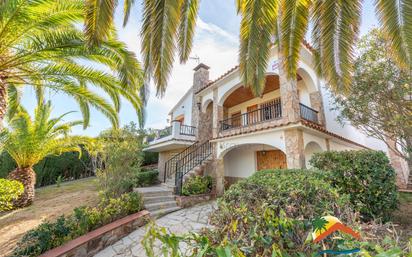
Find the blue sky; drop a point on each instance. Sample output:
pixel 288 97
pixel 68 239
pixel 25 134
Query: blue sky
pixel 216 44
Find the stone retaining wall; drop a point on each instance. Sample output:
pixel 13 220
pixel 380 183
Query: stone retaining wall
pixel 96 240
pixel 187 201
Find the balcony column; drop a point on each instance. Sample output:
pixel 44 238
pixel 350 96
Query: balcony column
pixel 218 176
pixel 289 96
pixel 317 104
pixel 295 155
pixel 217 114
pixel 175 129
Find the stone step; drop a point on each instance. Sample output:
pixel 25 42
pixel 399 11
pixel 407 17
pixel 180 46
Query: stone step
pixel 161 205
pixel 158 199
pixel 154 191
pixel 162 212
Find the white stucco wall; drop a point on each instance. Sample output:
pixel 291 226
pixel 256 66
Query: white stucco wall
pixel 240 162
pixel 346 130
pixel 184 107
pixel 274 138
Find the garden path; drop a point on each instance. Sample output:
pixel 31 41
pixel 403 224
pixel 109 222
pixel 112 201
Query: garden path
pixel 186 220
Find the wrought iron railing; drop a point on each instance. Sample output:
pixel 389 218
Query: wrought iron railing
pixel 188 162
pixel 165 132
pixel 266 113
pixel 170 165
pixel 187 130
pixel 308 113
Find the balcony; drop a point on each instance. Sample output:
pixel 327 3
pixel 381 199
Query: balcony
pixel 266 115
pixel 171 137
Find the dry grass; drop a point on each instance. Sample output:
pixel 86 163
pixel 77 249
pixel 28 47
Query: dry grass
pixel 50 202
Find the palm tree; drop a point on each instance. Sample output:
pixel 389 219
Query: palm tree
pixel 29 141
pixel 43 46
pixel 168 25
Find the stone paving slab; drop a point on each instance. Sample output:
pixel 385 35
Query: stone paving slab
pixel 186 220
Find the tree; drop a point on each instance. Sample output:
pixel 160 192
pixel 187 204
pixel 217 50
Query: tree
pixel 29 141
pixel 42 46
pixel 379 101
pixel 168 27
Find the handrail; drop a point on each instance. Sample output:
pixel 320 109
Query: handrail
pixel 190 161
pixel 266 113
pixel 170 165
pixel 308 113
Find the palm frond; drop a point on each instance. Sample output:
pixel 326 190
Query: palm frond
pixel 163 28
pixel 389 16
pixel 188 16
pixel 127 6
pixel 99 20
pixel 294 23
pixel 259 18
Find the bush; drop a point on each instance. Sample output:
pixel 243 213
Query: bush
pixel 150 158
pixel 146 178
pixel 49 235
pixel 122 157
pixel 267 214
pixel 10 190
pixel 366 176
pixel 197 185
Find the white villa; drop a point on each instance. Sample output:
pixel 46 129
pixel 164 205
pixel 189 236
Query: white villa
pixel 219 128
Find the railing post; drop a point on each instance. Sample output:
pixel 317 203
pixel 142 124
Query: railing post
pixel 175 128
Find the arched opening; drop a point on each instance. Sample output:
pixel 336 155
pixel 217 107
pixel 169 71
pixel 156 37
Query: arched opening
pixel 306 86
pixel 241 161
pixel 310 149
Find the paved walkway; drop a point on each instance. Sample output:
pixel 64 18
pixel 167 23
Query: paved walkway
pixel 183 221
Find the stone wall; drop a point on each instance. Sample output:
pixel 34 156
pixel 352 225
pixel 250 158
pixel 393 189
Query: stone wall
pixel 163 158
pixel 400 166
pixel 96 240
pixel 200 80
pixel 188 201
pixel 205 127
pixel 317 104
pixel 295 155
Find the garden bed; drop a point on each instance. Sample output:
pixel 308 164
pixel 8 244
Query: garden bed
pixel 98 239
pixel 50 203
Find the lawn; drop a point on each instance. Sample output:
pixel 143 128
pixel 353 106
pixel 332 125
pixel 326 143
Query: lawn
pixel 50 202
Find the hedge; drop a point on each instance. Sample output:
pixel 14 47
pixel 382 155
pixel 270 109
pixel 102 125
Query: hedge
pixel 68 166
pixel 366 176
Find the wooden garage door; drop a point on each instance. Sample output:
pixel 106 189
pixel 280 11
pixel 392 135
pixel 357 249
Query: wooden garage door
pixel 273 159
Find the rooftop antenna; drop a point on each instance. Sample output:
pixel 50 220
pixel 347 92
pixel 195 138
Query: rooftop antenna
pixel 196 58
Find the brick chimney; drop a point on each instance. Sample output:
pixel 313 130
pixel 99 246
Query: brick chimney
pixel 200 80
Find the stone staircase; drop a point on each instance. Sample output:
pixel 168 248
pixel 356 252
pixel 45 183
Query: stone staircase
pixel 158 200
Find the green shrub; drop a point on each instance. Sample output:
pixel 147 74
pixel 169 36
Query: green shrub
pixel 146 178
pixel 10 190
pixel 150 158
pixel 197 185
pixel 122 157
pixel 366 176
pixel 49 235
pixel 267 214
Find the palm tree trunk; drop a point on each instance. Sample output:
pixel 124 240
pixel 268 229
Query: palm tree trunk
pixel 3 101
pixel 27 177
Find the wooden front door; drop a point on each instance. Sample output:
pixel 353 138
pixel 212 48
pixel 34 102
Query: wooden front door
pixel 236 119
pixel 273 159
